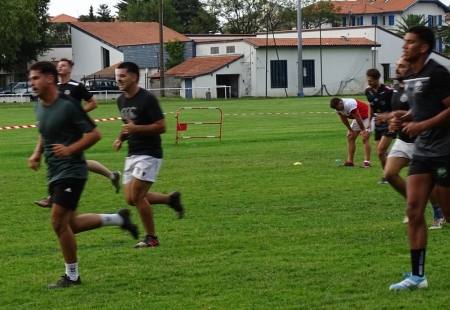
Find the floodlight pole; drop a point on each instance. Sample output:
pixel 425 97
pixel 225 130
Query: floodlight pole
pixel 161 49
pixel 299 49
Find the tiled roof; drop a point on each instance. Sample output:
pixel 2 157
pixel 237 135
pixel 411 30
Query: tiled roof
pixel 107 73
pixel 379 6
pixel 127 33
pixel 201 65
pixel 292 42
pixel 63 18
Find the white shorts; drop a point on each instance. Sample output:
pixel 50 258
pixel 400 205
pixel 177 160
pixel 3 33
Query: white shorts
pixel 142 167
pixel 401 149
pixel 355 127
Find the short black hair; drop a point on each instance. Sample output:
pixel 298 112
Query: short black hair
pixel 130 67
pixel 334 102
pixel 45 68
pixel 70 62
pixel 373 73
pixel 425 35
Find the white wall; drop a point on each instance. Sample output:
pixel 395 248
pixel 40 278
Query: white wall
pixel 56 54
pixel 87 54
pixel 204 49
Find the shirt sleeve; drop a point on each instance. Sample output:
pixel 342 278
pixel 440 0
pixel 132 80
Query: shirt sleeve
pixel 154 110
pixel 440 79
pixel 84 93
pixel 81 119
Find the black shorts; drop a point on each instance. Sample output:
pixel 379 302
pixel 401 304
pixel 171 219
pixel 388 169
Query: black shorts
pixel 66 192
pixel 438 167
pixel 379 133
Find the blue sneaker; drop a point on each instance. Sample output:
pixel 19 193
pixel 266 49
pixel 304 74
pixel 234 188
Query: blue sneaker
pixel 410 282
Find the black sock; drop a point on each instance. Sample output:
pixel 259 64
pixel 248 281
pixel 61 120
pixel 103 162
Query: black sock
pixel 418 262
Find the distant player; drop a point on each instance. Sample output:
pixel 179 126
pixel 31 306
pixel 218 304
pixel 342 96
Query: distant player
pixel 78 92
pixel 358 112
pixel 379 97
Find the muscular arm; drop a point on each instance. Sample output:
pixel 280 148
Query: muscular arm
pixel 358 119
pixel 344 121
pixel 88 140
pixel 156 128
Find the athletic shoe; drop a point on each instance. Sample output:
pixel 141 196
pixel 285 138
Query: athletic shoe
pixel 410 282
pixel 438 223
pixel 175 203
pixel 366 164
pixel 383 181
pixel 116 181
pixel 128 224
pixel 64 282
pixel 44 203
pixel 405 219
pixel 148 241
pixel 349 164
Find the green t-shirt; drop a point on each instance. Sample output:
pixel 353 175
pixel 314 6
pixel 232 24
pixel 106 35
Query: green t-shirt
pixel 63 122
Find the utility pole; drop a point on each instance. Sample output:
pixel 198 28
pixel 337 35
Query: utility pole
pixel 161 50
pixel 299 56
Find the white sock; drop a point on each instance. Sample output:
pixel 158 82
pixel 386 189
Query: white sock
pixel 111 219
pixel 72 271
pixel 112 177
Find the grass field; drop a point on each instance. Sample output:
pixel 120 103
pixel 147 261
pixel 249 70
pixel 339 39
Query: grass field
pixel 259 232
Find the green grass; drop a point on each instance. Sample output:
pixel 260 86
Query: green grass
pixel 259 232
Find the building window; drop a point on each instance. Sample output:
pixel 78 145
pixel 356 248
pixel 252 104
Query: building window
pixel 309 77
pixel 432 21
pixel 105 58
pixel 361 21
pixel 215 50
pixel 353 21
pixel 344 21
pixel 374 20
pixel 391 20
pixel 384 20
pixel 231 49
pixel 278 73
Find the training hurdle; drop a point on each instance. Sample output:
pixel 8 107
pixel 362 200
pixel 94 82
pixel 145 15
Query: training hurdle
pixel 182 126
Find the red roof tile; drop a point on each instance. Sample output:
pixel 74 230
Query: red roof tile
pixel 201 65
pixel 377 6
pixel 63 18
pixel 127 33
pixel 292 42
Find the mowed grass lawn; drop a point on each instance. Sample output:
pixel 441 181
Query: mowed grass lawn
pixel 259 232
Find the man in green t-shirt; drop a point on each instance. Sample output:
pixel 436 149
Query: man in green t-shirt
pixel 65 132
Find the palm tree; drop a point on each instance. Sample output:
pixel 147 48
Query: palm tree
pixel 408 21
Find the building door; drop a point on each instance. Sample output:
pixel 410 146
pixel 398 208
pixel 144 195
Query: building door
pixel 188 88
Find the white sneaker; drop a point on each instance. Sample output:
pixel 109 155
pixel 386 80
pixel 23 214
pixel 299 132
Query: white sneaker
pixel 438 223
pixel 409 283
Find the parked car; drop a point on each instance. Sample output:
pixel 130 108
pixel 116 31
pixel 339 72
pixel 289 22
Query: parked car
pixel 22 88
pixel 101 84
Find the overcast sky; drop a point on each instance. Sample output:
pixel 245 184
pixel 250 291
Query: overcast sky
pixel 76 8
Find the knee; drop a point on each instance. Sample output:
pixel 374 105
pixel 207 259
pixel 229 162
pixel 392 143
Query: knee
pixel 381 153
pixel 413 211
pixel 58 226
pixel 390 175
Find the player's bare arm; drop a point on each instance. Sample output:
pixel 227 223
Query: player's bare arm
pixel 155 128
pixel 344 121
pixel 90 105
pixel 88 140
pixel 34 162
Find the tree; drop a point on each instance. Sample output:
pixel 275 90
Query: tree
pixel 148 11
pixel 410 20
pixel 204 23
pixel 319 13
pixel 175 49
pixel 188 11
pixel 18 23
pixel 104 14
pixel 88 18
pixel 59 33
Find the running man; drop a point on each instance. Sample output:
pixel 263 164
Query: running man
pixel 143 125
pixel 401 152
pixel 358 111
pixel 379 97
pixel 65 132
pixel 78 92
pixel 427 84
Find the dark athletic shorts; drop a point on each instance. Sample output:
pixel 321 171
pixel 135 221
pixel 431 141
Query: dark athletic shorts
pixel 438 167
pixel 66 192
pixel 384 132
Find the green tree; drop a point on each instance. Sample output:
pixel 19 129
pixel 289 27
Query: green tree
pixel 175 49
pixel 19 24
pixel 148 11
pixel 319 13
pixel 104 14
pixel 204 23
pixel 88 18
pixel 188 11
pixel 410 20
pixel 59 33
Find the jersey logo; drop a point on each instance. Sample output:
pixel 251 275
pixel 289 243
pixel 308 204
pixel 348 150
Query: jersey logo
pixel 418 87
pixel 128 113
pixel 67 92
pixel 404 97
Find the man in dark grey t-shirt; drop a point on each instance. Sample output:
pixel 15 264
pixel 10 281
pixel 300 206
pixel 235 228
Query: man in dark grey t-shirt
pixel 65 132
pixel 427 85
